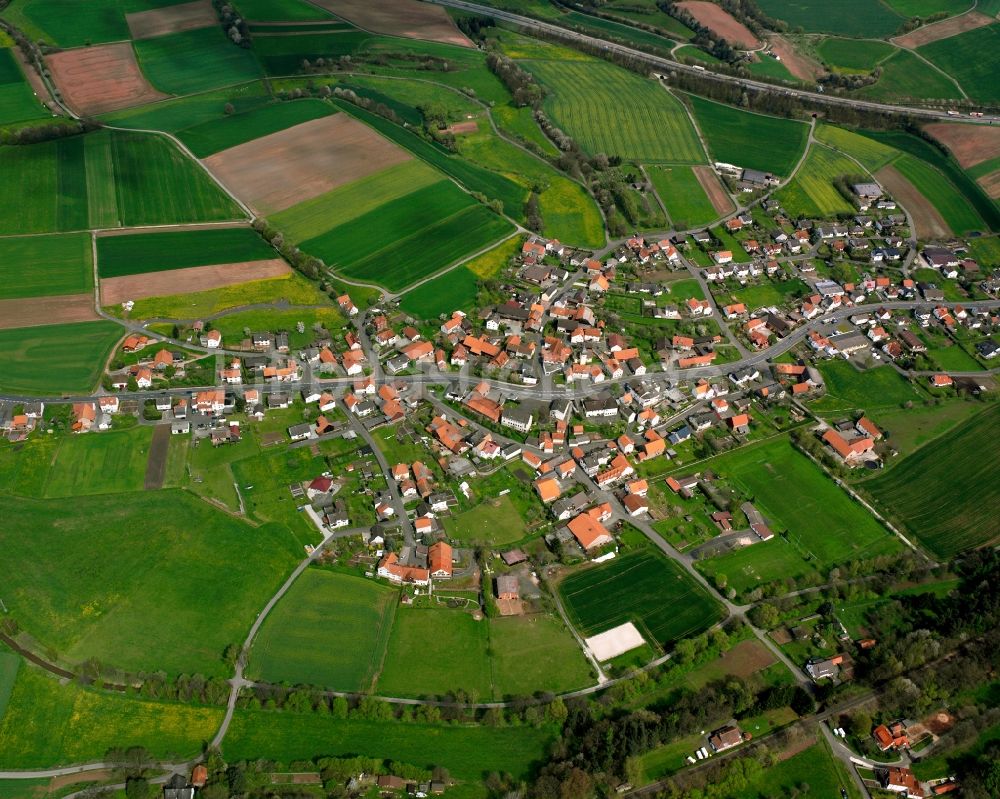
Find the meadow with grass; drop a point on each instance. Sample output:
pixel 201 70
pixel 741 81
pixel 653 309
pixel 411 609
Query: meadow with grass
pixel 18 102
pixel 194 61
pixel 939 491
pixel 159 251
pixel 747 139
pixel 52 359
pixel 329 630
pixel 853 17
pixel 962 57
pixel 127 564
pixel 812 192
pixel 45 266
pixel 642 587
pixel 686 201
pixel 611 111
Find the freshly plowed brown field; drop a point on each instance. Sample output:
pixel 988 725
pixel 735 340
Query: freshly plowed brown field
pixel 277 171
pixel 721 23
pixel 94 80
pixel 926 219
pixel 171 19
pixel 115 290
pixel 408 18
pixel 970 144
pixel 721 201
pixel 943 30
pixel 47 310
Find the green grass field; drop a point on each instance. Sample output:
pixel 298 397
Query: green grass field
pixel 127 566
pixel 283 55
pixel 44 266
pixel 642 587
pixel 824 525
pixel 467 752
pixel 812 192
pixel 49 725
pixel 409 237
pixel 985 251
pixel 18 102
pixel 280 10
pixel 176 115
pixel 494 522
pixel 906 77
pixel 962 57
pixel 346 203
pixel 432 651
pixel 159 251
pixel 194 61
pixel 54 359
pixel 848 389
pixel 109 463
pixel 854 55
pixel 9 664
pixel 105 179
pixel 682 194
pixel 956 211
pixel 872 154
pixel 924 8
pixel 329 630
pixel 210 137
pixel 753 141
pixel 67 23
pixel 853 17
pixel 608 110
pixel 521 123
pixel 921 491
pixel 536 653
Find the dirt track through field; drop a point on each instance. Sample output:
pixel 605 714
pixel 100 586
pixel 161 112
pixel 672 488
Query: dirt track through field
pixel 943 30
pixel 156 464
pixel 713 187
pixel 721 23
pixel 94 80
pixel 991 184
pixel 35 311
pixel 970 144
pixel 172 19
pixel 799 65
pixel 115 290
pixel 928 222
pixel 409 18
pixel 277 171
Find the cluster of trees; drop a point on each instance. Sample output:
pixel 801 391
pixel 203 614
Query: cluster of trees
pixel 850 82
pixel 233 24
pixel 521 84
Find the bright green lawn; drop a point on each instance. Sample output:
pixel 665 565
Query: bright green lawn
pixel 127 565
pixel 467 752
pixel 55 358
pixel 433 651
pixel 753 141
pixel 493 522
pixel 195 60
pixel 164 250
pixel 43 266
pixel 329 630
pixel 49 725
pixel 109 463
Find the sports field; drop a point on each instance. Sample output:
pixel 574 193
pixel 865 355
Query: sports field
pixel 194 61
pixel 812 192
pixel 329 630
pixel 611 111
pixel 17 99
pixel 52 359
pixel 853 17
pixel 106 464
pixel 433 651
pixel 824 526
pixel 45 266
pixel 962 57
pixel 219 134
pixel 753 141
pixel 642 587
pixel 126 566
pixel 853 55
pixel 158 251
pixel 466 751
pixel 687 203
pixel 48 724
pixel 921 491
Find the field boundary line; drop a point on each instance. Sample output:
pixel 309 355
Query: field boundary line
pixel 691 119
